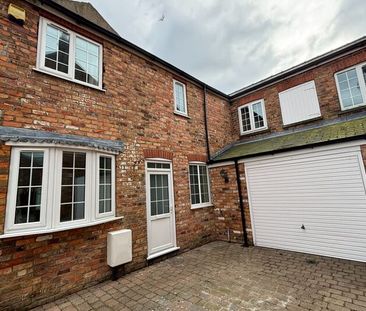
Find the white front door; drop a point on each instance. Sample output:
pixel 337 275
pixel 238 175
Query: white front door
pixel 160 209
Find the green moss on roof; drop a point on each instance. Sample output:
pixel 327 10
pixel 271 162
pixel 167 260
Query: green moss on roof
pixel 334 132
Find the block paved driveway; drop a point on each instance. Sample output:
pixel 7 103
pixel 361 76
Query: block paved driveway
pixel 224 276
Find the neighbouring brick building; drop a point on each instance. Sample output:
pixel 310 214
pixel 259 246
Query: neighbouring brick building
pixel 98 135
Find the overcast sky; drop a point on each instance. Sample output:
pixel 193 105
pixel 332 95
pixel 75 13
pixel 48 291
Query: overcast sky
pixel 230 44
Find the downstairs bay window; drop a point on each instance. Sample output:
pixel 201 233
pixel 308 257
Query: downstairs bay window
pixel 199 185
pixel 53 189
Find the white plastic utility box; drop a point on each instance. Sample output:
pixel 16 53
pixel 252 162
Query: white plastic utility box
pixel 119 247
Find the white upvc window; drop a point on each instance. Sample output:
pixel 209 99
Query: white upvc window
pixel 106 190
pixel 180 98
pixel 252 117
pixel 53 188
pixel 66 54
pixel 351 86
pixel 199 185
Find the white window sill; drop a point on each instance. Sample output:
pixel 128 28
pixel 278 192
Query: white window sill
pixel 299 122
pixel 181 114
pixel 198 206
pixel 353 107
pixel 254 131
pixel 68 79
pixel 44 231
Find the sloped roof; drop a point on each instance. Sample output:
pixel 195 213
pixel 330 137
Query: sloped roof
pixel 330 133
pixel 12 134
pixel 97 22
pixel 87 11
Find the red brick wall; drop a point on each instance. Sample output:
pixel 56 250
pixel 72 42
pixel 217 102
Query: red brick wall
pixel 225 199
pixel 325 86
pixel 220 125
pixel 136 108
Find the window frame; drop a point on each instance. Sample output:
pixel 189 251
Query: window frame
pixel 51 191
pixel 41 49
pixel 10 224
pixel 251 115
pixel 113 190
pixel 57 177
pixel 199 205
pixel 176 111
pixel 361 81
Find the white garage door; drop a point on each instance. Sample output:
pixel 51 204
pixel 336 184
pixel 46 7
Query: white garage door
pixel 312 202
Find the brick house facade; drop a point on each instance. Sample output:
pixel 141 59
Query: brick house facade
pixel 135 106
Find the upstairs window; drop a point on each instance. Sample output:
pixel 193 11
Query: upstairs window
pixel 55 188
pixel 199 184
pixel 299 103
pixel 180 98
pixel 351 85
pixel 69 55
pixel 252 117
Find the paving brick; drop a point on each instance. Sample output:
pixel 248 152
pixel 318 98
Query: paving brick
pixel 224 276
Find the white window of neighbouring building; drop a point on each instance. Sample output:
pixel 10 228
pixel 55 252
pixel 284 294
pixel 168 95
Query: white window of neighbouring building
pixel 199 185
pixel 299 103
pixel 180 98
pixel 68 55
pixel 55 188
pixel 351 85
pixel 252 117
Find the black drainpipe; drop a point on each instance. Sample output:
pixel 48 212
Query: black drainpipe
pixel 206 122
pixel 238 182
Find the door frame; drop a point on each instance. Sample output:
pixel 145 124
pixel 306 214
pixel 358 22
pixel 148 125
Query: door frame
pixel 172 209
pixel 340 148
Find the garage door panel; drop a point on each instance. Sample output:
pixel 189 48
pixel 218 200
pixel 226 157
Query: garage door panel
pixel 316 173
pixel 323 221
pixel 319 180
pixel 327 208
pixel 321 166
pixel 324 192
pixel 331 244
pixel 342 201
pixel 330 184
pixel 313 232
pixel 341 156
pixel 318 250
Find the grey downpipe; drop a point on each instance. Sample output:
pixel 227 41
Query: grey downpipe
pixel 238 182
pixel 206 122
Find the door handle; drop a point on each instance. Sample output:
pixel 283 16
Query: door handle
pixel 302 227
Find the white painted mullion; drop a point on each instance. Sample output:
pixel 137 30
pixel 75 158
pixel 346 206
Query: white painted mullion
pixel 50 188
pixel 185 99
pixel 240 120
pixel 95 176
pixel 208 185
pixel 12 189
pixel 56 199
pixel 251 117
pixel 199 183
pixel 361 83
pixel 89 177
pixel 72 55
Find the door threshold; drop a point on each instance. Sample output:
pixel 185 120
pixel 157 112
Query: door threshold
pixel 161 253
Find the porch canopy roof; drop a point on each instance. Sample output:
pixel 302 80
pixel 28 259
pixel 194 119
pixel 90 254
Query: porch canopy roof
pixel 12 134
